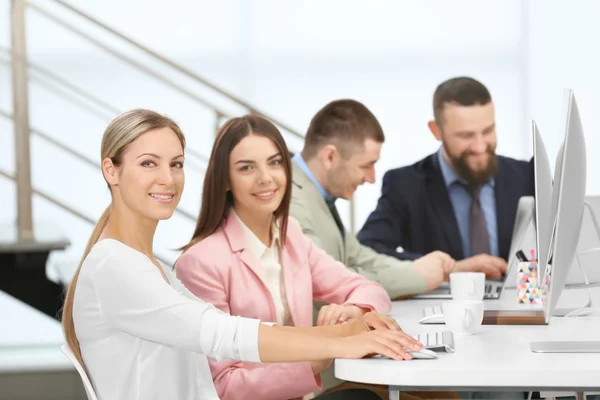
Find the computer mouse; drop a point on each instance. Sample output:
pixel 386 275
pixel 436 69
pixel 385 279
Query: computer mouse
pixel 433 319
pixel 424 354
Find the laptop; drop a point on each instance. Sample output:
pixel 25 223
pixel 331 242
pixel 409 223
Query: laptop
pixel 493 288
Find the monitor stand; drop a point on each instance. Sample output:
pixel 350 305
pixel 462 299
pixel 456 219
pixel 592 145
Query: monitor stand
pixel 593 216
pixel 589 307
pixel 587 284
pixel 565 347
pixel 572 346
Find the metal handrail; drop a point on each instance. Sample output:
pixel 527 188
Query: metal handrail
pixel 86 95
pixel 67 208
pixel 128 60
pixel 63 82
pixel 175 66
pixel 79 156
pixel 219 113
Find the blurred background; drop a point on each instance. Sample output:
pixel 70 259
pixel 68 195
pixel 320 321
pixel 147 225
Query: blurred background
pixel 201 62
pixel 287 60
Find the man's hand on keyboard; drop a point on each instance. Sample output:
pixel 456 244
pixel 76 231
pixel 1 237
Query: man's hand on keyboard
pixel 434 268
pixel 493 266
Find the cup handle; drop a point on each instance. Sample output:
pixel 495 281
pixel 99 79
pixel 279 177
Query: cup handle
pixel 468 320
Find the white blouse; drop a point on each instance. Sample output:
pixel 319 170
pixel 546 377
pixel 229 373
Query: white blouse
pixel 143 339
pixel 270 268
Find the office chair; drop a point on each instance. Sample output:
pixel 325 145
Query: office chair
pixel 87 384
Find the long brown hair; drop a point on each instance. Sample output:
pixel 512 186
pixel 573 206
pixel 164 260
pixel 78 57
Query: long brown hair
pixel 122 131
pixel 216 199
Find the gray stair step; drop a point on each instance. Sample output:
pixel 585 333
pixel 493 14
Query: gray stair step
pixel 48 236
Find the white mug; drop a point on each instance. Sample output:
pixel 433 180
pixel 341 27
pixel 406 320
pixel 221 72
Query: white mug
pixel 467 285
pixel 463 317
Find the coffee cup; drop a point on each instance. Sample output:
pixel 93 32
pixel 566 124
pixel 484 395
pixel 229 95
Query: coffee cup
pixel 467 285
pixel 463 317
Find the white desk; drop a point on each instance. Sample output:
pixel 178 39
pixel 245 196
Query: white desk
pixel 498 358
pixel 29 339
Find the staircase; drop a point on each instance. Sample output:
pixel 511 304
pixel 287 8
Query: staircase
pixel 27 246
pixel 23 264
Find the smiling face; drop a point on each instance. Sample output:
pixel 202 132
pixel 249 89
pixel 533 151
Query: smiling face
pixel 468 134
pixel 149 179
pixel 345 175
pixel 257 177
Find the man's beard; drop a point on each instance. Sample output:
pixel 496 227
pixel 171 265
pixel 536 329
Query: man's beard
pixel 474 178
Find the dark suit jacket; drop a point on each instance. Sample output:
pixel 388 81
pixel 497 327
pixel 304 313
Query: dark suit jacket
pixel 415 211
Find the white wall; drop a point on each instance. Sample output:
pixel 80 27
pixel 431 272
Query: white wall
pixel 562 54
pixel 286 58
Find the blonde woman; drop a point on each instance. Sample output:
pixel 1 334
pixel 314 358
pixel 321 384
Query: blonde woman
pixel 139 333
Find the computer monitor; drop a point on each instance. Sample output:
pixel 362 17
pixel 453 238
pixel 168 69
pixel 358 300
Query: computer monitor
pixel 566 216
pixel 523 236
pixel 523 221
pixel 544 218
pixel 568 201
pixel 537 208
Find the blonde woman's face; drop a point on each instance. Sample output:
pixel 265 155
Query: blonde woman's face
pixel 150 179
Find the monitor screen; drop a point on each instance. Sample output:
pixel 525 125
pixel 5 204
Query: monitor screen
pixel 568 201
pixel 543 200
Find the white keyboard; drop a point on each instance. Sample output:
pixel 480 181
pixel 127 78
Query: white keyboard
pixel 432 315
pixel 492 290
pixel 443 340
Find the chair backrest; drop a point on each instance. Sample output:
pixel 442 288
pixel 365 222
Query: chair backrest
pixel 87 384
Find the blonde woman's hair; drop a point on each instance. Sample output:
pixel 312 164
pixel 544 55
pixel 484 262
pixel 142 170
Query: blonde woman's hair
pixel 122 131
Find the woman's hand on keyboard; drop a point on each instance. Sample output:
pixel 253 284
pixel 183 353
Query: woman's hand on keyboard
pixel 333 314
pixel 375 321
pixel 392 344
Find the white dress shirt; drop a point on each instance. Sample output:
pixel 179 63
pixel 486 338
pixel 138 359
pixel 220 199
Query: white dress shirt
pixel 143 339
pixel 270 267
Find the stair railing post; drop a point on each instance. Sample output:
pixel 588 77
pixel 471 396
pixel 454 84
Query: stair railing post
pixel 20 89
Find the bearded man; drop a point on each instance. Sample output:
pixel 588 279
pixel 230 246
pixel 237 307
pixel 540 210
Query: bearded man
pixel 461 200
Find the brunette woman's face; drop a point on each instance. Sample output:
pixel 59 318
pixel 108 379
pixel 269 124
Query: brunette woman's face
pixel 257 176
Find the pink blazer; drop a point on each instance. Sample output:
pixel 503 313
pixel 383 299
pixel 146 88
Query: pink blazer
pixel 221 271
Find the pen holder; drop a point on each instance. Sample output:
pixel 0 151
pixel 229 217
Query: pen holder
pixel 528 291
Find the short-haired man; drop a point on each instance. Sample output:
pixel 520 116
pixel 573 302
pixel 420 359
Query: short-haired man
pixel 341 148
pixel 462 199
